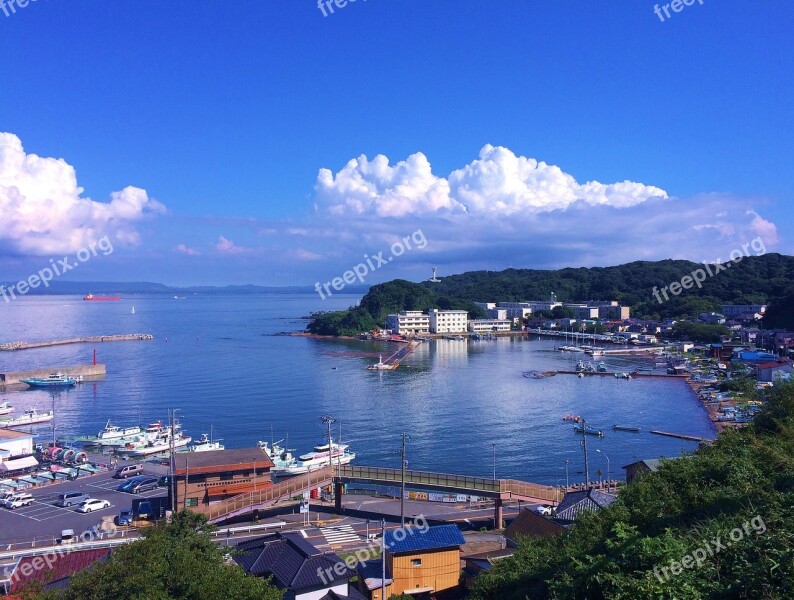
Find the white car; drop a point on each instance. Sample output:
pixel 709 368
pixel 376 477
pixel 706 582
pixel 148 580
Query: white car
pixel 92 504
pixel 543 509
pixel 18 500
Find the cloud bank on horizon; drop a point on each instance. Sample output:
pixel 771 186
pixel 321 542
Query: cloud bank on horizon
pixel 504 210
pixel 500 210
pixel 44 211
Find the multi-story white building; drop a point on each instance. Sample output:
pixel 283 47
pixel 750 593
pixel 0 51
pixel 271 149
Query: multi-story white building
pixel 489 325
pixel 410 321
pixel 732 311
pixel 448 321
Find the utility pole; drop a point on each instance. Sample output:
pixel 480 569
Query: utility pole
pixel 566 475
pixel 383 559
pixel 172 462
pixel 494 460
pixel 586 465
pixel 328 420
pixel 402 481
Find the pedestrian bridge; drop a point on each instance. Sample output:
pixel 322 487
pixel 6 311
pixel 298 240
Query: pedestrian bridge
pixel 497 489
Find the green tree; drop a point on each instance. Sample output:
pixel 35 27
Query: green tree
pixel 174 560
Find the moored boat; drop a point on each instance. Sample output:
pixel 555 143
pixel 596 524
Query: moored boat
pixel 113 432
pixel 205 444
pixel 30 417
pixel 52 380
pixel 624 428
pixel 588 430
pixel 160 446
pixel 6 408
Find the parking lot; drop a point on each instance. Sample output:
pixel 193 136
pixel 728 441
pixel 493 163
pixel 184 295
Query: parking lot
pixel 42 519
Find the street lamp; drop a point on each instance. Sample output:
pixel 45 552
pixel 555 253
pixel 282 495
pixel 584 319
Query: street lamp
pixel 494 459
pixel 566 475
pixel 609 486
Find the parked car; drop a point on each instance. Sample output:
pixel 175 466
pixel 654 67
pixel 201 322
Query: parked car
pixel 126 485
pixel 5 496
pixel 143 485
pixel 18 500
pixel 70 498
pixel 124 518
pixel 543 509
pixel 67 536
pixel 92 504
pixel 128 471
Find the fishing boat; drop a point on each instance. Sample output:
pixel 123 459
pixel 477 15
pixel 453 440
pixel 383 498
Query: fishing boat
pixel 284 463
pixel 205 444
pixel 624 428
pixel 113 432
pixel 6 408
pixel 30 417
pixel 160 446
pixel 602 367
pixel 622 375
pixel 52 380
pixel 588 430
pixel 92 298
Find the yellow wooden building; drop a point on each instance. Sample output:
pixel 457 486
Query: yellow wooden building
pixel 419 562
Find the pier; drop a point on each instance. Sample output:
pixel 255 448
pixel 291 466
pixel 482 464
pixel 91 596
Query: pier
pixel 393 361
pixel 680 436
pixel 11 346
pixel 93 371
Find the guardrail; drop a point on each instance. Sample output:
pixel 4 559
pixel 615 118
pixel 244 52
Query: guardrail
pixel 461 482
pixel 67 548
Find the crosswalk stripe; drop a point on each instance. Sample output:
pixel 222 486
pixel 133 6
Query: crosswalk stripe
pixel 341 534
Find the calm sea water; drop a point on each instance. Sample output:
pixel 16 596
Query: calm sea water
pixel 217 359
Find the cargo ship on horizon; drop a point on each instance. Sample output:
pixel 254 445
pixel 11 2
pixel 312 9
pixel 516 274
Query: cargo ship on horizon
pixel 93 298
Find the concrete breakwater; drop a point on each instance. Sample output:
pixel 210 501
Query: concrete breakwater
pixel 10 346
pixel 84 371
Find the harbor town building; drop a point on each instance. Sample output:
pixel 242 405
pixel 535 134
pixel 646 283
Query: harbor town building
pixel 204 477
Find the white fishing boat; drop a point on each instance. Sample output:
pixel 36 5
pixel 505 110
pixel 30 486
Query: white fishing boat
pixel 29 417
pixel 159 446
pixel 205 444
pixel 6 408
pixel 113 432
pixel 319 457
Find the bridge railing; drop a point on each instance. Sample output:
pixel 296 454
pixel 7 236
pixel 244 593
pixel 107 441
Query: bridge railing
pixel 269 494
pixel 479 484
pixel 530 490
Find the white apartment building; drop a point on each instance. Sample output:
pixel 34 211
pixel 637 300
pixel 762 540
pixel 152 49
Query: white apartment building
pixel 448 321
pixel 732 311
pixel 410 321
pixel 489 325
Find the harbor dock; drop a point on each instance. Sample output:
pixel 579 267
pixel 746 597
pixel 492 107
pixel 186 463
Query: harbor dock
pixel 93 371
pixel 10 346
pixel 680 436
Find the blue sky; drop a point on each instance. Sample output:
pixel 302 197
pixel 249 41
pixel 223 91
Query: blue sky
pixel 198 132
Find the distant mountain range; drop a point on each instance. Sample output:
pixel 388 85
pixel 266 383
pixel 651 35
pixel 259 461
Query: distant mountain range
pixel 98 288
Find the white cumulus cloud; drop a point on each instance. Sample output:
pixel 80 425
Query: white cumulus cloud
pixel 498 183
pixel 44 211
